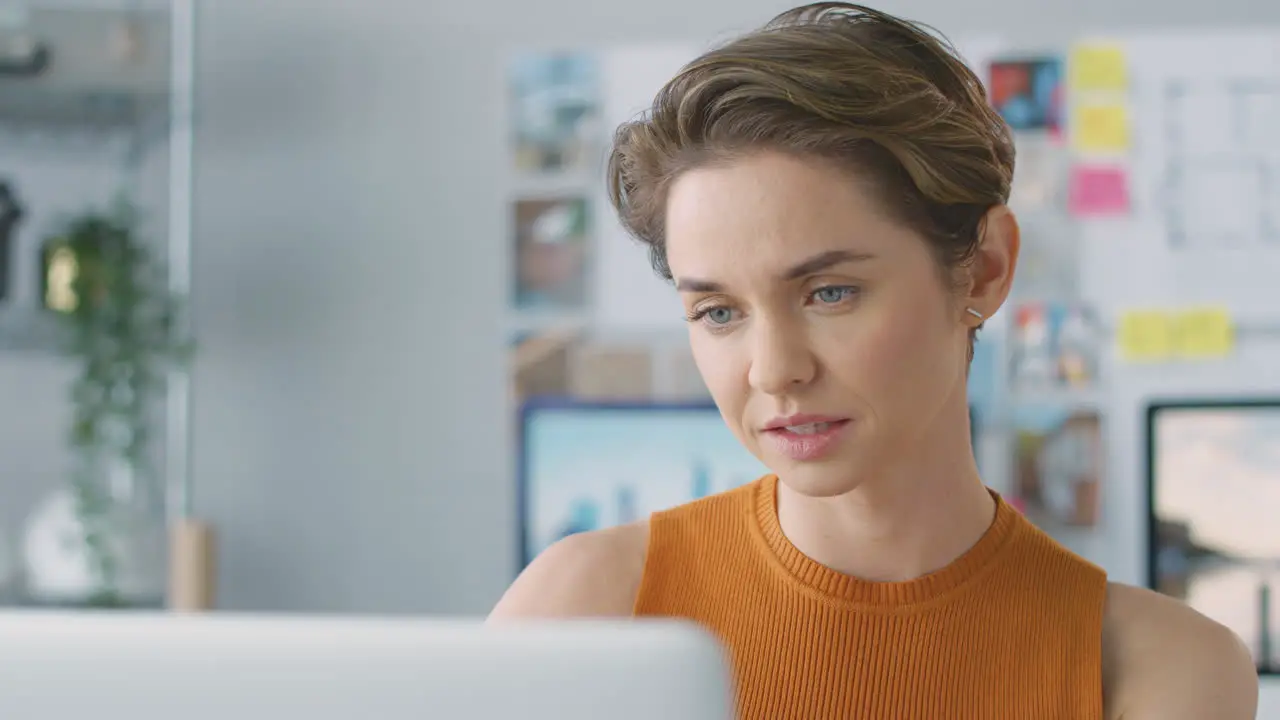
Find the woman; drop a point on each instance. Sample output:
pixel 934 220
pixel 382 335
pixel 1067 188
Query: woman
pixel 828 195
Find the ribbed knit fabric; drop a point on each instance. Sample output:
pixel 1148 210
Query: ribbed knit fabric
pixel 1012 630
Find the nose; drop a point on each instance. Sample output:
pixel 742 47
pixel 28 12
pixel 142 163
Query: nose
pixel 781 357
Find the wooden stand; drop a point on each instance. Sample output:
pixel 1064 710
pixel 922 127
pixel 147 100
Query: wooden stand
pixel 192 566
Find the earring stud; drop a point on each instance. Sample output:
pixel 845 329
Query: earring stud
pixel 975 313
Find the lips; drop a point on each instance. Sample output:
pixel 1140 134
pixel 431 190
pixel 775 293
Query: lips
pixel 798 423
pixel 804 438
pixel 806 429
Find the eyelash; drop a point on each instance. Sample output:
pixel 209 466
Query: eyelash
pixel 701 313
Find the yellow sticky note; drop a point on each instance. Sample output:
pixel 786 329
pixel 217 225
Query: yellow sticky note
pixel 1202 333
pixel 1097 67
pixel 1101 127
pixel 1146 335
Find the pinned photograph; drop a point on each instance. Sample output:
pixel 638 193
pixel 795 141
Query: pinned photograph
pixel 1055 346
pixel 551 253
pixel 1058 470
pixel 555 112
pixel 1028 93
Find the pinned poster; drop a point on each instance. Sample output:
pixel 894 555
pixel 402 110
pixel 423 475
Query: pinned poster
pixel 1098 67
pixel 1100 127
pixel 1204 333
pixel 1098 191
pixel 1028 93
pixel 1146 335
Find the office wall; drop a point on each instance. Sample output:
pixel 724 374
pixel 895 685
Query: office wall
pixel 350 436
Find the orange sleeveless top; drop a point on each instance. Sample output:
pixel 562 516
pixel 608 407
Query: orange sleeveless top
pixel 1012 630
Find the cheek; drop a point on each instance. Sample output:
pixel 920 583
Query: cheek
pixel 724 370
pixel 902 354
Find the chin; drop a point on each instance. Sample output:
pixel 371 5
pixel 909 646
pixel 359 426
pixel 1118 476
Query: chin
pixel 819 480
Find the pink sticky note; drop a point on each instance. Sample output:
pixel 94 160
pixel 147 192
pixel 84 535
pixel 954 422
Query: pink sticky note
pixel 1098 190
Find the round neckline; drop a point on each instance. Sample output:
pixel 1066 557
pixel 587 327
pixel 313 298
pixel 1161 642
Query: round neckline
pixel 849 589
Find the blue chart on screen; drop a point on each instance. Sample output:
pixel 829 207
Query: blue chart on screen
pixel 586 466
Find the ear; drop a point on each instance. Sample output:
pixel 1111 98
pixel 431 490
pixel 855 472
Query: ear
pixel 991 274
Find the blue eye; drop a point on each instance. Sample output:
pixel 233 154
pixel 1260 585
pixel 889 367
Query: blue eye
pixel 833 294
pixel 719 315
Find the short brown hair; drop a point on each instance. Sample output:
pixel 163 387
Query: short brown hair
pixel 878 94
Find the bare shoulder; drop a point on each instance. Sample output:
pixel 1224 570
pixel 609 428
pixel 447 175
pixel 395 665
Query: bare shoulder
pixel 591 574
pixel 1163 660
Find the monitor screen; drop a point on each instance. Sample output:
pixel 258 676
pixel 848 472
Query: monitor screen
pixel 1214 499
pixel 591 465
pixel 585 466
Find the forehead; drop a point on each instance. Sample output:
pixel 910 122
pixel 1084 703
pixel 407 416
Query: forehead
pixel 771 210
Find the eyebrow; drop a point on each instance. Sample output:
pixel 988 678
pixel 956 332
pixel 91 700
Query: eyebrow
pixel 812 265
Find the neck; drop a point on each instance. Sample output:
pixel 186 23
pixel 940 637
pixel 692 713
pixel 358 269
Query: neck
pixel 915 519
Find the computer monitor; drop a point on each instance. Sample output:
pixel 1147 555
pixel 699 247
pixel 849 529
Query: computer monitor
pixel 1213 490
pixel 587 465
pixel 161 667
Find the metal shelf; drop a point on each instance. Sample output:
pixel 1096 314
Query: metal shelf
pixel 66 123
pixel 25 328
pixel 25 107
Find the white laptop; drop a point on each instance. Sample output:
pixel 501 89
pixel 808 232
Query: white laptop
pixel 56 666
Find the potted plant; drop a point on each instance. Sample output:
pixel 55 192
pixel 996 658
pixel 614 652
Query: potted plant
pixel 120 325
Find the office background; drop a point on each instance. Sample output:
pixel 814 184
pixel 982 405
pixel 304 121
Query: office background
pixel 351 438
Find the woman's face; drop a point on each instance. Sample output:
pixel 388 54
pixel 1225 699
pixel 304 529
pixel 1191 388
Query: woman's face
pixel 822 327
